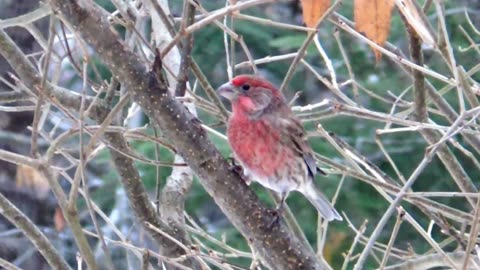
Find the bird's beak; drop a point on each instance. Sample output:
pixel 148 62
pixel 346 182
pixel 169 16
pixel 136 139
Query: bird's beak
pixel 227 90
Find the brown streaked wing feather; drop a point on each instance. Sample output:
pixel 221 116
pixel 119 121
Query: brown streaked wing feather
pixel 295 134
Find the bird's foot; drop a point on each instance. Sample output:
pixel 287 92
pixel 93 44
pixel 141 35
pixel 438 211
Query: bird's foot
pixel 275 218
pixel 277 212
pixel 236 168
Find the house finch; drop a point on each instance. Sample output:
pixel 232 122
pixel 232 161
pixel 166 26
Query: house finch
pixel 269 141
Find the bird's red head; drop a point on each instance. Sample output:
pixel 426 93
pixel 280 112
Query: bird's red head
pixel 252 81
pixel 249 93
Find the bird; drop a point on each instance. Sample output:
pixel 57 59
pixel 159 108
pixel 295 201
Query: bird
pixel 269 142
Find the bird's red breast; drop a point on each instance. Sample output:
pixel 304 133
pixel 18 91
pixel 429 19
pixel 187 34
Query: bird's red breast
pixel 257 145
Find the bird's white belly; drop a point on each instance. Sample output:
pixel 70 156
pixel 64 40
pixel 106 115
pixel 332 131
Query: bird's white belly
pixel 277 185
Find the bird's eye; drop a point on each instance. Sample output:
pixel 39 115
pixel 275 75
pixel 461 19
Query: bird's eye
pixel 246 87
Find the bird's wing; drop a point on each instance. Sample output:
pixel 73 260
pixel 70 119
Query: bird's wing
pixel 295 136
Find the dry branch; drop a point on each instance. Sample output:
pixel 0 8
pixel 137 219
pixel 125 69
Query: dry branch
pixel 48 251
pixel 235 199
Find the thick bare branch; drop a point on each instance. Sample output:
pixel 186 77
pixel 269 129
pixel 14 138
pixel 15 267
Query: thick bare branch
pixel 48 251
pixel 99 111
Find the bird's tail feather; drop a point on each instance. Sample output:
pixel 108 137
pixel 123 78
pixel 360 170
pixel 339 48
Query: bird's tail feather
pixel 321 203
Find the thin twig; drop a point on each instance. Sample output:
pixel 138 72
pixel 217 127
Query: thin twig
pixel 301 51
pixel 393 237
